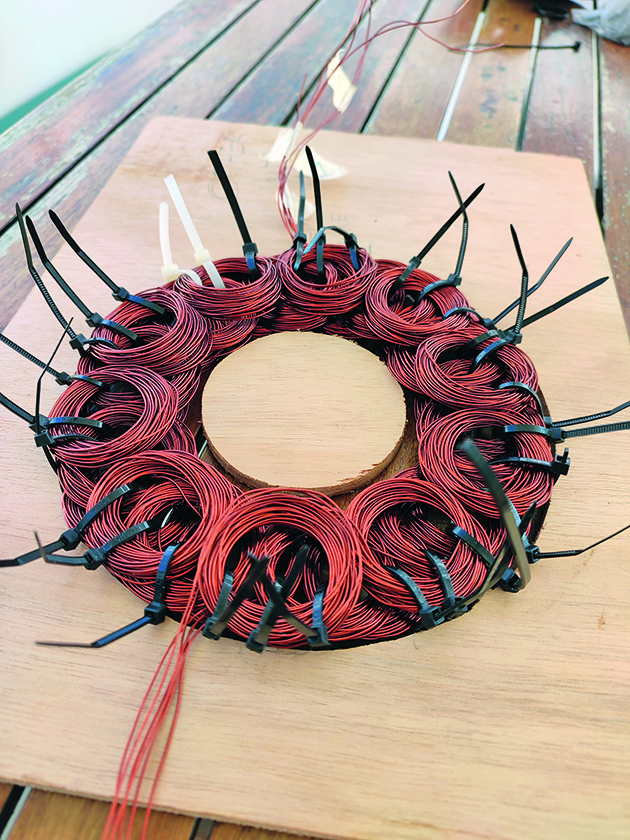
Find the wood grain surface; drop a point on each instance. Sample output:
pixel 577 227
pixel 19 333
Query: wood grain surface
pixel 615 95
pixel 268 95
pixel 225 831
pixel 489 108
pixel 415 98
pixel 54 816
pixel 303 410
pixel 379 63
pixel 194 91
pixel 72 121
pixel 509 722
pixel 560 117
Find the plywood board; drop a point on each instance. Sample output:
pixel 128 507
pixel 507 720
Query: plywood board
pixel 513 720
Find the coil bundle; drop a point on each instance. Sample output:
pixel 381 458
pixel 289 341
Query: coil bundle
pixel 287 566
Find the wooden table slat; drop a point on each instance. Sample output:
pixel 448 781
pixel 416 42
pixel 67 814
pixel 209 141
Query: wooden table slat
pixel 414 101
pixel 193 93
pixel 488 110
pixel 615 99
pixel 58 816
pixel 5 790
pixel 229 831
pixel 560 118
pixel 270 93
pixel 40 148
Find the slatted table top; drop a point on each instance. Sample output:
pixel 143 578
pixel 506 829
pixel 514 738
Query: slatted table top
pixel 245 62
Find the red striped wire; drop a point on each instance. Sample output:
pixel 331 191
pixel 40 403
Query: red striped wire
pixel 443 371
pixel 199 494
pixel 242 296
pixel 392 318
pixel 441 461
pixel 167 348
pixel 133 429
pixel 309 514
pixel 397 520
pixel 344 286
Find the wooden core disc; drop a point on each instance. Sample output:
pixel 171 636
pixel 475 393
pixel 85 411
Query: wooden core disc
pixel 299 409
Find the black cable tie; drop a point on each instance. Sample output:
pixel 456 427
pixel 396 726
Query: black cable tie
pixel 456 275
pixel 428 616
pixel 452 280
pixel 319 215
pixel 77 341
pixel 62 377
pixel 350 242
pixel 222 601
pixel 249 248
pixel 527 389
pixel 487 322
pixel 35 275
pixel 95 557
pixel 216 624
pixel 516 329
pixel 596 430
pixel 285 612
pixel 44 438
pixel 542 555
pixel 73 536
pixel 568 299
pixel 560 435
pixel 154 613
pixel 536 286
pixel 513 335
pixel 299 240
pixel 29 556
pixel 14 408
pixel 559 466
pixel 414 262
pixel 590 417
pixel 89 422
pixel 259 636
pixel 505 508
pixel 493 332
pixel 318 619
pixel 93 318
pixel 118 292
pixel 479 549
pixel 500 574
pixel 450 598
pixel 455 278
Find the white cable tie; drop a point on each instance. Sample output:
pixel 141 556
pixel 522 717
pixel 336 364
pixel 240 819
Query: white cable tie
pixel 203 258
pixel 202 255
pixel 170 271
pixel 193 276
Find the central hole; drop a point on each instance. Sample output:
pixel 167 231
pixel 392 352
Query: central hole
pixel 301 409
